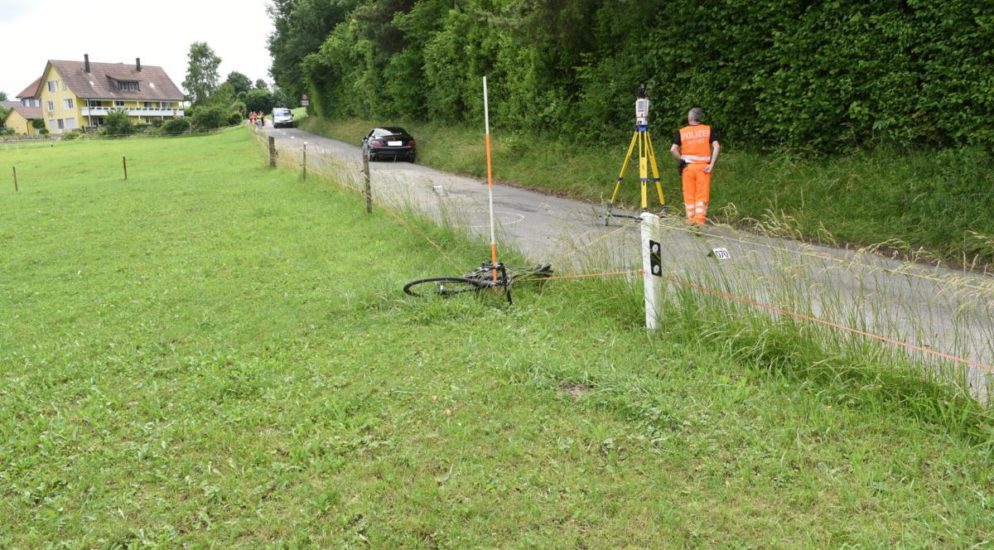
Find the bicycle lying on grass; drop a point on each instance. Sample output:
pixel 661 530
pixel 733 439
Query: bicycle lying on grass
pixel 479 279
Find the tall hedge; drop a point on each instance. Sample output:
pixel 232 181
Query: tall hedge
pixel 808 76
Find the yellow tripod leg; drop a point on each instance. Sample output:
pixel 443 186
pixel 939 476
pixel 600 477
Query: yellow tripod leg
pixel 643 166
pixel 655 172
pixel 624 165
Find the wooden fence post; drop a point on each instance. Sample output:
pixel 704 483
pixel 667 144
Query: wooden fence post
pixel 367 187
pixel 304 163
pixel 15 179
pixel 124 162
pixel 272 152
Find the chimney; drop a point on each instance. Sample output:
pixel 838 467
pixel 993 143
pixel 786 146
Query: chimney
pixel 86 62
pixel 138 64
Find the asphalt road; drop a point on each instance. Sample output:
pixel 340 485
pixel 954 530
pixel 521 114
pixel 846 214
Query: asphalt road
pixel 945 315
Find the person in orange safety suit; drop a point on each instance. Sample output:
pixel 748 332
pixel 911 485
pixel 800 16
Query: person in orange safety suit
pixel 696 148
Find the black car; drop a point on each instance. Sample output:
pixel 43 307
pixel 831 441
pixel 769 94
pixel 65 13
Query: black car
pixel 389 142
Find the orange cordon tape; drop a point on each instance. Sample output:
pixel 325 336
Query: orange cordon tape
pixel 839 326
pixel 794 314
pixel 592 275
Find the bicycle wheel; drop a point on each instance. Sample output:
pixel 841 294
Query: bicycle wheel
pixel 441 286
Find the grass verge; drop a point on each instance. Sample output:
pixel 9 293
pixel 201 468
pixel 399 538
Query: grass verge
pixel 926 206
pixel 214 352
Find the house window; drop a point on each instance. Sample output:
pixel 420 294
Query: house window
pixel 53 85
pixel 118 103
pixel 148 104
pixel 62 124
pixel 127 85
pixel 67 103
pixel 70 124
pixel 51 105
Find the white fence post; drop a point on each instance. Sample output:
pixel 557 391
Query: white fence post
pixel 652 268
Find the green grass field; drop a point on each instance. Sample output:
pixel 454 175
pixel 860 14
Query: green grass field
pixel 214 353
pixel 928 206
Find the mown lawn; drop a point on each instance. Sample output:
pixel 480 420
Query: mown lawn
pixel 215 353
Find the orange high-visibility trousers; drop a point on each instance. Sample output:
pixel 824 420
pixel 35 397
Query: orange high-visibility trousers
pixel 696 192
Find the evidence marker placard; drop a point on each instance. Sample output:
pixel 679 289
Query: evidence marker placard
pixel 721 254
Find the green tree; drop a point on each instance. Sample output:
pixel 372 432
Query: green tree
pixel 261 85
pixel 300 28
pixel 259 100
pixel 223 95
pixel 117 124
pixel 817 77
pixel 3 96
pixel 239 82
pixel 201 73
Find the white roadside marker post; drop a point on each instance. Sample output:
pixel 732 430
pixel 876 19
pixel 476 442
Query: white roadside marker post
pixel 652 269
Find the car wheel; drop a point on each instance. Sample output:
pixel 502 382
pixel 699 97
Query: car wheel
pixel 411 158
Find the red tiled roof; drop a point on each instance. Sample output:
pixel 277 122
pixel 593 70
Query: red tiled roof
pixel 31 90
pixel 153 82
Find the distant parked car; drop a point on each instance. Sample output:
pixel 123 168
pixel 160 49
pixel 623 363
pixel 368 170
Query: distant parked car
pixel 389 142
pixel 282 118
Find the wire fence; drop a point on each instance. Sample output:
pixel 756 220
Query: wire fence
pixel 926 313
pixel 51 140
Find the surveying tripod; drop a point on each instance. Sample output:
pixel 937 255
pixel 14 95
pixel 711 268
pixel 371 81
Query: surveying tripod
pixel 647 158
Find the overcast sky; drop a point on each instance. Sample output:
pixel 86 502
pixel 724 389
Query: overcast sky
pixel 118 31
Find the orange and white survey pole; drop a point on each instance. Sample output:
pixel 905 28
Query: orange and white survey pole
pixel 490 180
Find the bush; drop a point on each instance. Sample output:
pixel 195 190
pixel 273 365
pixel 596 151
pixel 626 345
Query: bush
pixel 117 124
pixel 235 118
pixel 818 77
pixel 70 136
pixel 210 117
pixel 176 126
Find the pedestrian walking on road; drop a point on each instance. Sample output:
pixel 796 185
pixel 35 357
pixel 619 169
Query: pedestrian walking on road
pixel 696 149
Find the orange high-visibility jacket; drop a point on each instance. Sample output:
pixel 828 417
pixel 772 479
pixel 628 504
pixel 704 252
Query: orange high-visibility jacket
pixel 695 142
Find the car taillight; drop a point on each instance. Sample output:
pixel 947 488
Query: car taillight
pixel 411 143
pixel 376 143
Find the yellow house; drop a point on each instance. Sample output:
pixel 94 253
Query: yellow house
pixel 19 119
pixel 22 113
pixel 80 94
